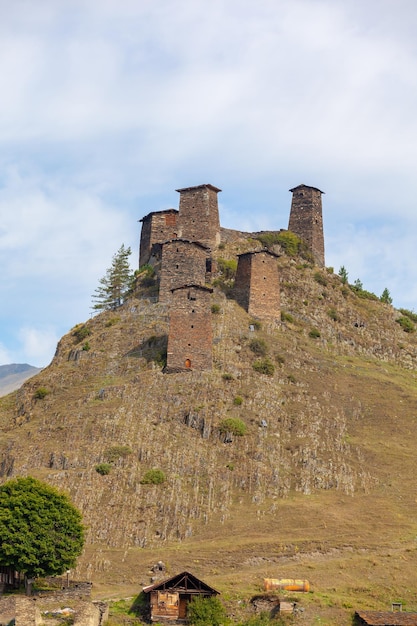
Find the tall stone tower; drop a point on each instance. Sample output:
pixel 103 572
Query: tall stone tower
pixel 182 263
pixel 190 333
pixel 257 286
pixel 198 218
pixel 306 219
pixel 157 227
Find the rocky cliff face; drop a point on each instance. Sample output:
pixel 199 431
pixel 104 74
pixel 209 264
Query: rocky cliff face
pixel 341 364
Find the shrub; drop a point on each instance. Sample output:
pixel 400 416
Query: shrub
pixel 115 453
pixel 233 425
pixel 320 279
pixel 227 268
pixel 86 347
pixel 153 477
pixel 406 324
pixel 332 313
pixel 227 376
pixel 112 321
pixel 258 347
pixel 40 393
pixel 289 242
pixel 286 317
pixel 206 612
pixel 314 333
pixel 279 359
pixel 410 314
pixel 238 401
pixel 81 333
pixel 264 366
pixel 103 468
pixel 215 308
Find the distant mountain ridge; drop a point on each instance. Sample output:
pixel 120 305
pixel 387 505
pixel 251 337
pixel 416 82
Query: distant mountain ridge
pixel 13 375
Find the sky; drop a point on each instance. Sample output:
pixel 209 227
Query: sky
pixel 108 106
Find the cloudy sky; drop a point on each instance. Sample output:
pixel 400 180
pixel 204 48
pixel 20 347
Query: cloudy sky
pixel 108 106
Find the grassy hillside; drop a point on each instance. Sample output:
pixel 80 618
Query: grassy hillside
pixel 321 485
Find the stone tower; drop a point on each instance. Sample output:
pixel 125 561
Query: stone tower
pixel 182 263
pixel 157 227
pixel 198 218
pixel 306 219
pixel 190 333
pixel 257 287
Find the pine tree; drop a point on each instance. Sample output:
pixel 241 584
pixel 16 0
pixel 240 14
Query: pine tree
pixel 116 283
pixel 343 274
pixel 386 296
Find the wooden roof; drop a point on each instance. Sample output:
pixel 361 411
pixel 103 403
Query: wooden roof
pixel 387 618
pixel 185 583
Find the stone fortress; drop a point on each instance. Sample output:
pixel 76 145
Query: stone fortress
pixel 180 245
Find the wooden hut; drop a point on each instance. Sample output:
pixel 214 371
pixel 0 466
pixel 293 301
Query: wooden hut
pixel 168 600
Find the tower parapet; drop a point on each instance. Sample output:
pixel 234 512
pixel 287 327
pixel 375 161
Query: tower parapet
pixel 306 219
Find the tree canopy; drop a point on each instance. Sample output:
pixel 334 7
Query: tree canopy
pixel 41 533
pixel 116 283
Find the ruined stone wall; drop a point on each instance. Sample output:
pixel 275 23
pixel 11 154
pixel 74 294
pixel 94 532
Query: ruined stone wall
pixel 156 228
pixel 306 219
pixel 257 285
pixel 183 263
pixel 198 218
pixel 38 610
pixel 190 331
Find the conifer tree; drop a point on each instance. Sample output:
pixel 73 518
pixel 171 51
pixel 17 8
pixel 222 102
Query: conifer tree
pixel 116 283
pixel 386 296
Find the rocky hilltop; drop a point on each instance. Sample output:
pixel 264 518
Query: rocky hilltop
pixel 293 456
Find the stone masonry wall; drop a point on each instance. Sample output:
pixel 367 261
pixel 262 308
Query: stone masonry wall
pixel 198 218
pixel 257 285
pixel 183 263
pixel 190 331
pixel 156 228
pixel 306 219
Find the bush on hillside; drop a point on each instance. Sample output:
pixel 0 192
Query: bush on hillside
pixel 40 393
pixel 233 425
pixel 406 324
pixel 206 612
pixel 410 314
pixel 153 477
pixel 264 366
pixel 258 347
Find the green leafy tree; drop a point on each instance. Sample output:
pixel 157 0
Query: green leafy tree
pixel 116 283
pixel 41 533
pixel 206 612
pixel 386 297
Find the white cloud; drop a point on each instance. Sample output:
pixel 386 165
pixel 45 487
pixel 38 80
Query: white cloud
pixel 37 345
